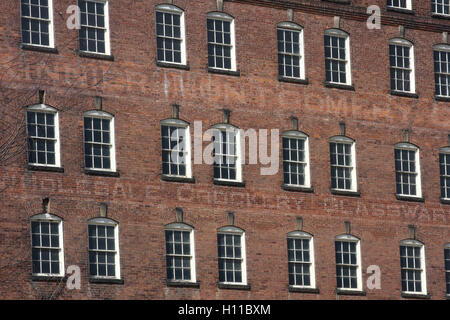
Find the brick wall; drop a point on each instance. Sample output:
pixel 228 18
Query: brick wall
pixel 139 94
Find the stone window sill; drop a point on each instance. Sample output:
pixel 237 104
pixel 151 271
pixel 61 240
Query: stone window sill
pixel 38 48
pixel 177 179
pixel 412 199
pixel 97 56
pixel 339 86
pixel 293 80
pixel 415 296
pixel 47 278
pixel 303 290
pixel 444 99
pixel 225 72
pixel 287 187
pixel 45 168
pixel 345 193
pixel 404 94
pixel 106 281
pixel 172 65
pixel 101 173
pixel 440 16
pixel 401 10
pixel 350 292
pixel 229 286
pixel 445 201
pixel 229 183
pixel 183 284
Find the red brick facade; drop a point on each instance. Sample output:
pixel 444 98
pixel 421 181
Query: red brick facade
pixel 140 94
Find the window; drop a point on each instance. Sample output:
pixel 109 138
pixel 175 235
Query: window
pixel 444 169
pixel 43 136
pixel 348 263
pixel 226 153
pixel 407 169
pixel 412 263
pixel 94 31
pixel 442 70
pixel 176 148
pixel 290 51
pixel 170 34
pixel 37 22
pixel 343 163
pixel 221 47
pixel 231 247
pixel 296 159
pixel 399 4
pixel 180 252
pixel 99 149
pixel 440 7
pixel 401 59
pixel 104 248
pixel 301 259
pixel 47 248
pixel 337 57
pixel 447 267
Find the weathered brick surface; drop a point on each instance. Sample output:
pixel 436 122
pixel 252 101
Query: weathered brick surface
pixel 139 94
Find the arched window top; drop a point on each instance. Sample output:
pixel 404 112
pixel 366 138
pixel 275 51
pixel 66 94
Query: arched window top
pixel 219 15
pixel 337 33
pixel 447 245
pixel 46 217
pixel 299 234
pixel 231 229
pixel 42 108
pixel 441 47
pixel 406 145
pixel 401 41
pixel 295 134
pixel 289 25
pixel 170 8
pixel 346 237
pixel 105 221
pixel 179 226
pixel 342 139
pixel 98 114
pixel 174 122
pixel 411 242
pixel 444 150
pixel 225 126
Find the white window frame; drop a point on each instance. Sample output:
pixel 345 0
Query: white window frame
pixel 312 274
pixel 237 231
pixel 405 43
pixel 290 26
pixel 188 161
pixel 294 134
pixel 350 238
pixel 107 30
pixel 51 34
pixel 102 115
pixel 237 132
pixel 47 217
pixel 439 48
pixel 408 5
pixel 411 147
pixel 177 226
pixel 434 8
pixel 444 151
pixel 169 8
pixel 46 109
pixel 109 223
pixel 353 175
pixel 225 17
pixel 423 276
pixel 447 271
pixel 348 69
